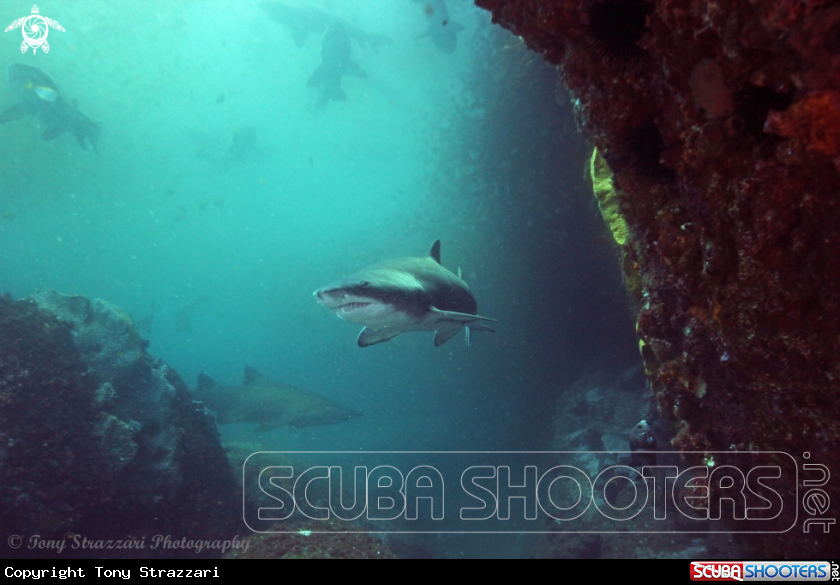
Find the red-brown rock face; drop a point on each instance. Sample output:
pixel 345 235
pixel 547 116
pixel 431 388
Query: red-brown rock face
pixel 721 121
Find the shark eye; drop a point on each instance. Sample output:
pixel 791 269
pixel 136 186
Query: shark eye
pixel 364 285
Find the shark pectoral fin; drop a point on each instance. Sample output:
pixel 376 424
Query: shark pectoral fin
pixel 14 112
pixel 337 94
pixel 53 132
pixel 372 335
pixel 442 337
pixel 479 327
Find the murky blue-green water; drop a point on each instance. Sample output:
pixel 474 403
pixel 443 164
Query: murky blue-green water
pixel 216 255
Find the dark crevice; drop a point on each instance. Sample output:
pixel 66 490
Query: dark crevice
pixel 753 104
pixel 640 152
pixel 832 39
pixel 616 26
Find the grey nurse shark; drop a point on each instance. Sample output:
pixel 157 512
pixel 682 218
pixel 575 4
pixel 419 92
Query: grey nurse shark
pixel 303 19
pixel 442 30
pixel 405 294
pixel 36 94
pixel 336 61
pixel 270 404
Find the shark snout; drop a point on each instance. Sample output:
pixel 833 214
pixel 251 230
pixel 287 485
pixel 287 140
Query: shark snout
pixel 328 295
pixel 332 297
pixel 340 293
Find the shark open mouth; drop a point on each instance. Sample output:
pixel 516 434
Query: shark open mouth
pixel 346 308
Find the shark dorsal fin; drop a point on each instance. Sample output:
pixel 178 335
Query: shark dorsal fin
pixel 252 375
pixel 434 253
pixel 205 382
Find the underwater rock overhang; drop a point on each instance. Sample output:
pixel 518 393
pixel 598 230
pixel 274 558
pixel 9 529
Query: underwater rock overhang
pixel 100 440
pixel 721 122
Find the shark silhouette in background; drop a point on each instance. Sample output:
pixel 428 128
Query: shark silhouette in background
pixel 221 152
pixel 405 294
pixel 144 323
pixel 36 94
pixel 183 316
pixel 303 20
pixel 270 404
pixel 243 147
pixel 442 31
pixel 336 61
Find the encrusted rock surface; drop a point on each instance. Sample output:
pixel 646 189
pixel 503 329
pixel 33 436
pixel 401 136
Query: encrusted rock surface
pixel 721 121
pixel 312 540
pixel 97 438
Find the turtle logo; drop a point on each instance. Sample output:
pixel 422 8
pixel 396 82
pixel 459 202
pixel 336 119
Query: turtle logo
pixel 35 29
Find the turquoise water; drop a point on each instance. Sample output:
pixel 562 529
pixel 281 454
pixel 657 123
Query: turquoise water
pixel 224 254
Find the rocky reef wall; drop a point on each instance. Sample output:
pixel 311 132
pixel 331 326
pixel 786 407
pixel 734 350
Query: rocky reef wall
pixel 100 440
pixel 721 123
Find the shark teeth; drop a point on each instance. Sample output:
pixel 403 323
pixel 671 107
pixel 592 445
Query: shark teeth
pixel 352 307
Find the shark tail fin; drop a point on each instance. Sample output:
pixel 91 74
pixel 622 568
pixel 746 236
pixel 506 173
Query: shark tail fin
pixel 205 382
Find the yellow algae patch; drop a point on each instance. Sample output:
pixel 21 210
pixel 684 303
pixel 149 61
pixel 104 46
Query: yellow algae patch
pixel 610 206
pixel 608 202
